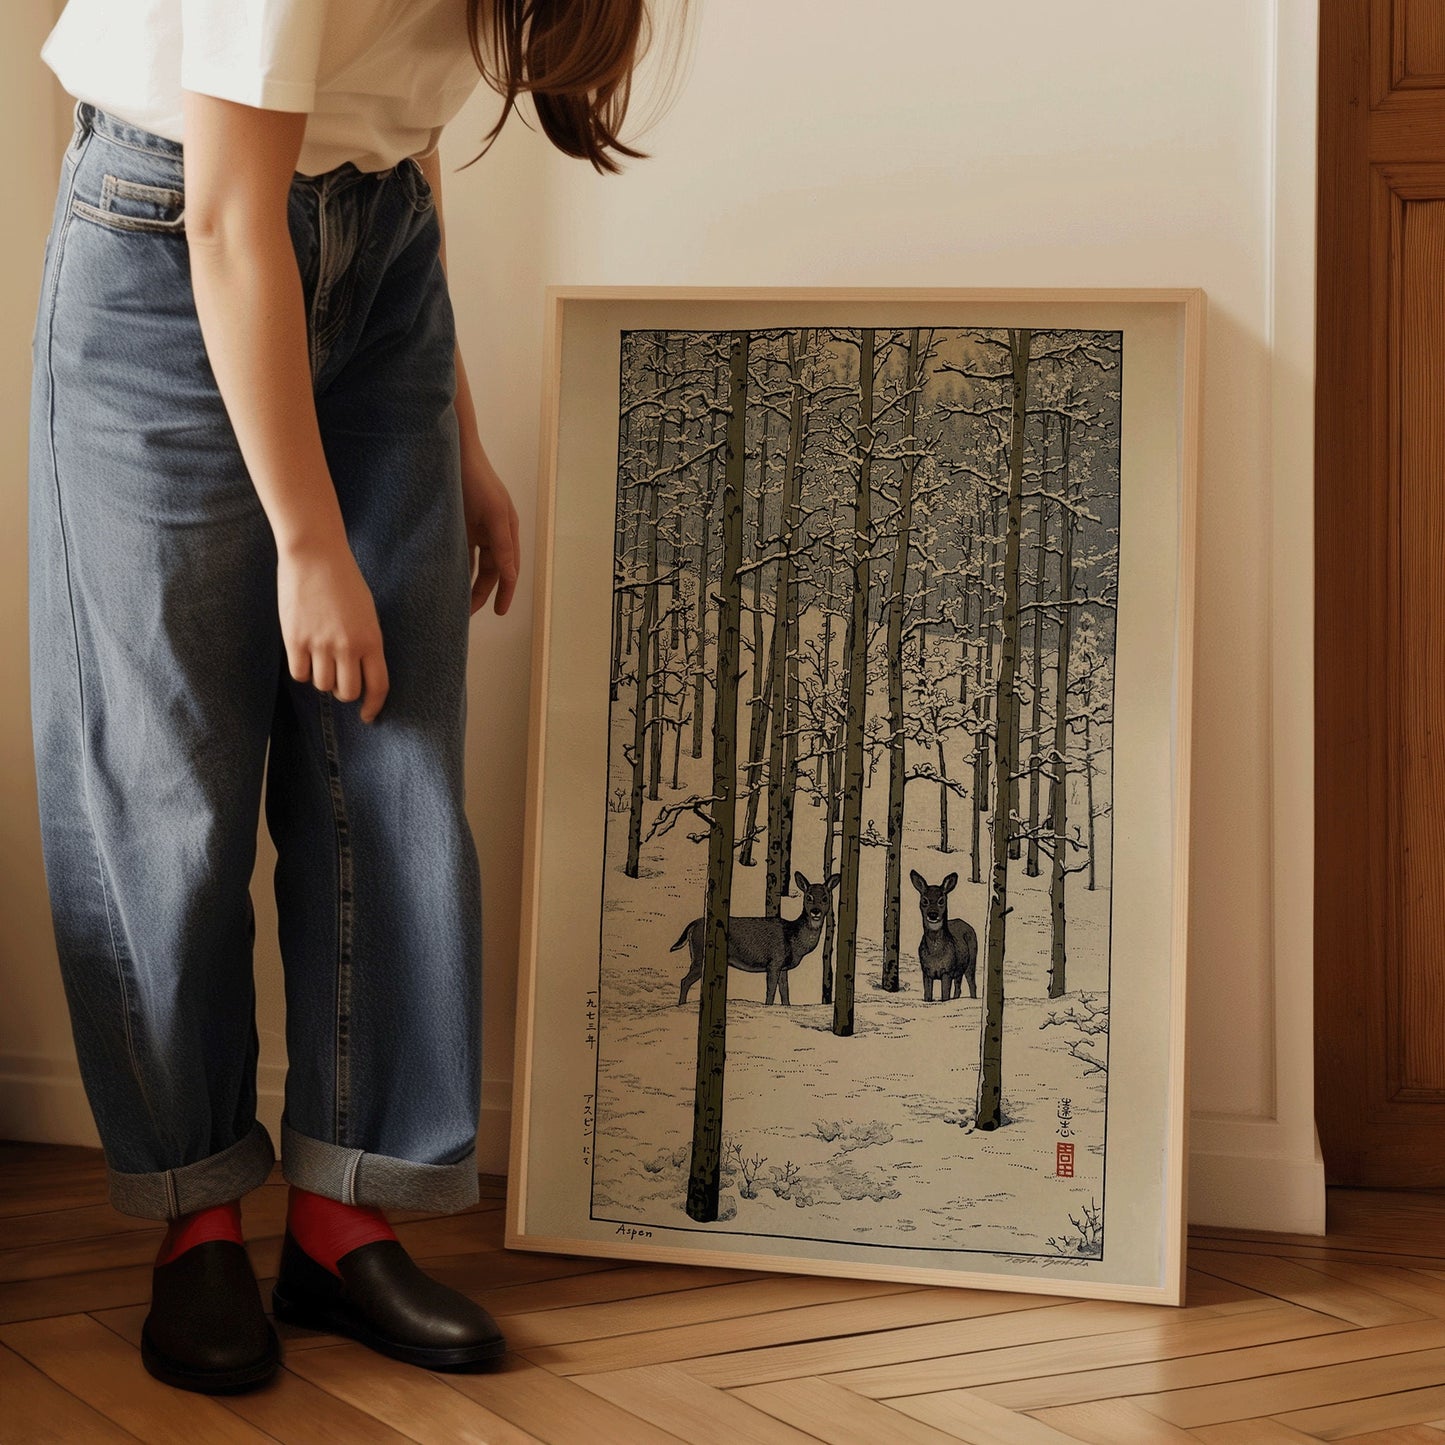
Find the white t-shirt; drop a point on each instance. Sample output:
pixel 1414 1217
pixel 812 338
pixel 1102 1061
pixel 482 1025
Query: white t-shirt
pixel 380 78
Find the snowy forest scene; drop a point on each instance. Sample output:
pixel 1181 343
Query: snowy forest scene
pixel 853 975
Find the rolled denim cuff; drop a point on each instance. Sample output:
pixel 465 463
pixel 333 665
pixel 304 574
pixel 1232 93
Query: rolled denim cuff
pixel 358 1176
pixel 216 1179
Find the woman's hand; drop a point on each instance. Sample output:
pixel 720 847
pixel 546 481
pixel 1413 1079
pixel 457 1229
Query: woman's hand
pixel 329 624
pixel 491 529
pixel 239 164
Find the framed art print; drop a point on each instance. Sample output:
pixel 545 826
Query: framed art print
pixel 856 844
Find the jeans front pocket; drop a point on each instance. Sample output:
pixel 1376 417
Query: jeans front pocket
pixel 129 205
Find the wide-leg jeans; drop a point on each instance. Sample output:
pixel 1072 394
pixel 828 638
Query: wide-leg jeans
pixel 159 685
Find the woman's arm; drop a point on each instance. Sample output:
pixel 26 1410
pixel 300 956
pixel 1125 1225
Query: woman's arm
pixel 492 525
pixel 239 164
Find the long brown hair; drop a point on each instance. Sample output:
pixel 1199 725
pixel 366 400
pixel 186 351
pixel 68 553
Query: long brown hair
pixel 575 58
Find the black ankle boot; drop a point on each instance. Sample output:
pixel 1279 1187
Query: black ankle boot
pixel 386 1301
pixel 207 1329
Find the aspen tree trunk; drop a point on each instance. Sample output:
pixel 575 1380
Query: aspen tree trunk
pixel 705 1173
pixel 985 631
pixel 962 640
pixel 655 671
pixel 980 788
pixel 676 658
pixel 989 1110
pixel 762 689
pixel 897 582
pixel 681 709
pixel 760 521
pixel 640 692
pixel 1089 782
pixel 629 622
pixel 1059 791
pixel 793 728
pixel 827 744
pixel 856 666
pixel 629 630
pixel 1015 841
pixel 703 563
pixel 790 735
pixel 619 541
pixel 983 781
pixel 827 642
pixel 830 829
pixel 923 610
pixel 1010 781
pixel 942 796
pixel 757 739
pixel 986 571
pixel 656 699
pixel 999 510
pixel 1036 720
pixel 963 645
pixel 675 587
pixel 775 885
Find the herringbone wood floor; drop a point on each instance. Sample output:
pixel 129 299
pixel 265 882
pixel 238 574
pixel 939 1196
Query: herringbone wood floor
pixel 1282 1338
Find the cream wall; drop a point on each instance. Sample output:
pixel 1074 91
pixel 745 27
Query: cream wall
pixel 40 1096
pixel 1134 142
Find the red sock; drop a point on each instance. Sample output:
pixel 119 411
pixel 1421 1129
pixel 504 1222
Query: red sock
pixel 218 1221
pixel 326 1228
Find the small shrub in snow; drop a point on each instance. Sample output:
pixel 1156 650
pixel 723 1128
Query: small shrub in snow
pixel 783 1179
pixel 1088 1236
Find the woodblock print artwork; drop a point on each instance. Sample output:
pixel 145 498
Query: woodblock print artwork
pixel 911 1048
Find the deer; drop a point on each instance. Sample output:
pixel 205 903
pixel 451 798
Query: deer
pixel 948 949
pixel 773 945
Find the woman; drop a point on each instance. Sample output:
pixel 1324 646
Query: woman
pixel 256 485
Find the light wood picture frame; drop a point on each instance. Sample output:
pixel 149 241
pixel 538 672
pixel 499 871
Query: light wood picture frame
pixel 760 862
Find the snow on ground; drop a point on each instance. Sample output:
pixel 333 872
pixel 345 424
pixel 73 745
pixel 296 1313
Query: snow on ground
pixel 865 1138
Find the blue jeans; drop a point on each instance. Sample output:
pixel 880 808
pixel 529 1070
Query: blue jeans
pixel 159 680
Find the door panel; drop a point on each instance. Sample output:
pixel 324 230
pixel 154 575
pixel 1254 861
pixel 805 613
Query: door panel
pixel 1409 39
pixel 1380 594
pixel 1417 382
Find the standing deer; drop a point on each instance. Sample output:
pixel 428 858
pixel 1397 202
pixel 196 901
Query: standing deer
pixel 948 950
pixel 773 945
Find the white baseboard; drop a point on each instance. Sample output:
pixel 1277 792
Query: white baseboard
pixel 41 1101
pixel 1280 1193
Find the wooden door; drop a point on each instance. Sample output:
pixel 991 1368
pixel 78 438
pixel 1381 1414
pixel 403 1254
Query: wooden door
pixel 1380 594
